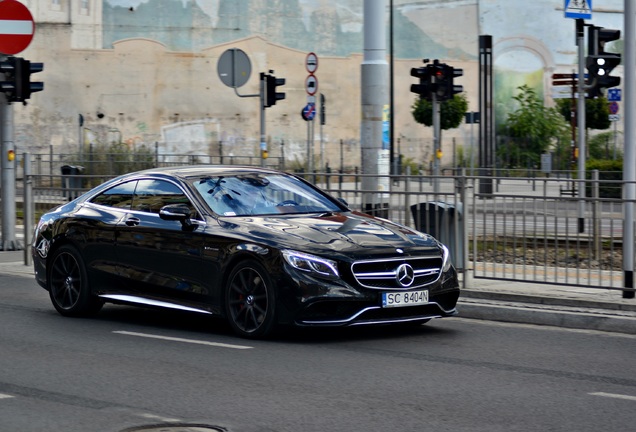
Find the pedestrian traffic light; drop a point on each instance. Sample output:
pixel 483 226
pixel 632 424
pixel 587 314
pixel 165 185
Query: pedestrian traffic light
pixel 424 87
pixel 17 83
pixel 271 95
pixel 600 63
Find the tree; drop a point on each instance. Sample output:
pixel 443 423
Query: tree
pixel 532 129
pixel 452 111
pixel 603 146
pixel 596 112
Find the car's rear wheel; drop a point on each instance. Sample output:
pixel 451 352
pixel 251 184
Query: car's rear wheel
pixel 250 300
pixel 68 284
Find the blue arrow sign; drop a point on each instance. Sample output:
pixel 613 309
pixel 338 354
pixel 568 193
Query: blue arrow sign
pixel 614 95
pixel 578 9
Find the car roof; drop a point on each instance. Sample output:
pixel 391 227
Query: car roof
pixel 190 171
pixel 183 173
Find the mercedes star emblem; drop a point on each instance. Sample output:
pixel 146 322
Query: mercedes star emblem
pixel 405 275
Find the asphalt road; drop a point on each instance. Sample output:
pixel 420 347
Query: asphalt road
pixel 132 367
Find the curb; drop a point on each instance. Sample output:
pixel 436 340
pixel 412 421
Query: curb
pixel 546 300
pixel 585 318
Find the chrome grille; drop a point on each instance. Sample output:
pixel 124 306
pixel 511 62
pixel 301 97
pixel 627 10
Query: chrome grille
pixel 382 274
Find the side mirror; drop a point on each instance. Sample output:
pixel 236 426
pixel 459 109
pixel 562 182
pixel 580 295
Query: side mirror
pixel 179 212
pixel 343 201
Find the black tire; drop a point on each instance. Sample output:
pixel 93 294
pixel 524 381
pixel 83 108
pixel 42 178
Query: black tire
pixel 250 300
pixel 68 284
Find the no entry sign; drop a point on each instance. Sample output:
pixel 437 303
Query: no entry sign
pixel 16 27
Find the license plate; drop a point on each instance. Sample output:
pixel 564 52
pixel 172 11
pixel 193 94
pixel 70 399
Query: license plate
pixel 400 299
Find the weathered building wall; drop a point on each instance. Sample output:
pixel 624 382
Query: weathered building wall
pixel 143 93
pixel 160 85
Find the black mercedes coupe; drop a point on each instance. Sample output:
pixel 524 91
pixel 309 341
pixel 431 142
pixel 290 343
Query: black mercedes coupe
pixel 260 247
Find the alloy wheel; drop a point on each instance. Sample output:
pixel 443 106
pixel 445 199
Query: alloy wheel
pixel 249 301
pixel 66 281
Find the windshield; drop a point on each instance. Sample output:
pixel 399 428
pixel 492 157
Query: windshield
pixel 261 194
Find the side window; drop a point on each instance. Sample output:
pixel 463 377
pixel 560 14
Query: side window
pixel 151 195
pixel 119 196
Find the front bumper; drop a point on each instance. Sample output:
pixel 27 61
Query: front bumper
pixel 308 301
pixel 349 313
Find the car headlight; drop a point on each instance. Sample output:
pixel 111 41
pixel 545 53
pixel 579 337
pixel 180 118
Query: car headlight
pixel 317 266
pixel 446 259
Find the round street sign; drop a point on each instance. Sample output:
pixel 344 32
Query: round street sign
pixel 311 62
pixel 234 67
pixel 613 107
pixel 16 27
pixel 308 112
pixel 311 85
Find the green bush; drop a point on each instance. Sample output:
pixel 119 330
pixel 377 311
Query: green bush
pixel 117 158
pixel 610 175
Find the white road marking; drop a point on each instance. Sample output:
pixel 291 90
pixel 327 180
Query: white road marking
pixel 614 395
pixel 5 396
pixel 192 341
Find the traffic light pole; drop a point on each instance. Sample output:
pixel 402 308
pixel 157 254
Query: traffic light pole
pixel 436 142
pixel 8 176
pixel 263 147
pixel 629 160
pixel 581 125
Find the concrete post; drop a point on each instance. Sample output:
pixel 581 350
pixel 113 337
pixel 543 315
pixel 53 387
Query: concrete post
pixel 8 176
pixel 374 90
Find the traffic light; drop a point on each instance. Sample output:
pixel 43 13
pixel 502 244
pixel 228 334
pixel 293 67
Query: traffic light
pixel 436 79
pixel 453 88
pixel 441 80
pixel 271 95
pixel 444 80
pixel 600 63
pixel 24 85
pixel 17 73
pixel 424 87
pixel 8 84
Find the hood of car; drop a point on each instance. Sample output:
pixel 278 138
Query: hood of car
pixel 335 231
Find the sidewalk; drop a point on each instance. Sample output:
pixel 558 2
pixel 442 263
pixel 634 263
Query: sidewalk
pixel 498 300
pixel 12 263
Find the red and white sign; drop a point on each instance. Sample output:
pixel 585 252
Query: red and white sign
pixel 311 63
pixel 311 85
pixel 16 27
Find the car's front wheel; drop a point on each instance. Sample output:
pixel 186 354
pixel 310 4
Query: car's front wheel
pixel 68 284
pixel 249 300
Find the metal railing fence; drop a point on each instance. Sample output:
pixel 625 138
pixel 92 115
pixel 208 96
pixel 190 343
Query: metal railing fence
pixel 100 163
pixel 526 229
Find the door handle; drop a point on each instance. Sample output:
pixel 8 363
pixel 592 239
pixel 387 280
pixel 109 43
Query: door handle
pixel 133 221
